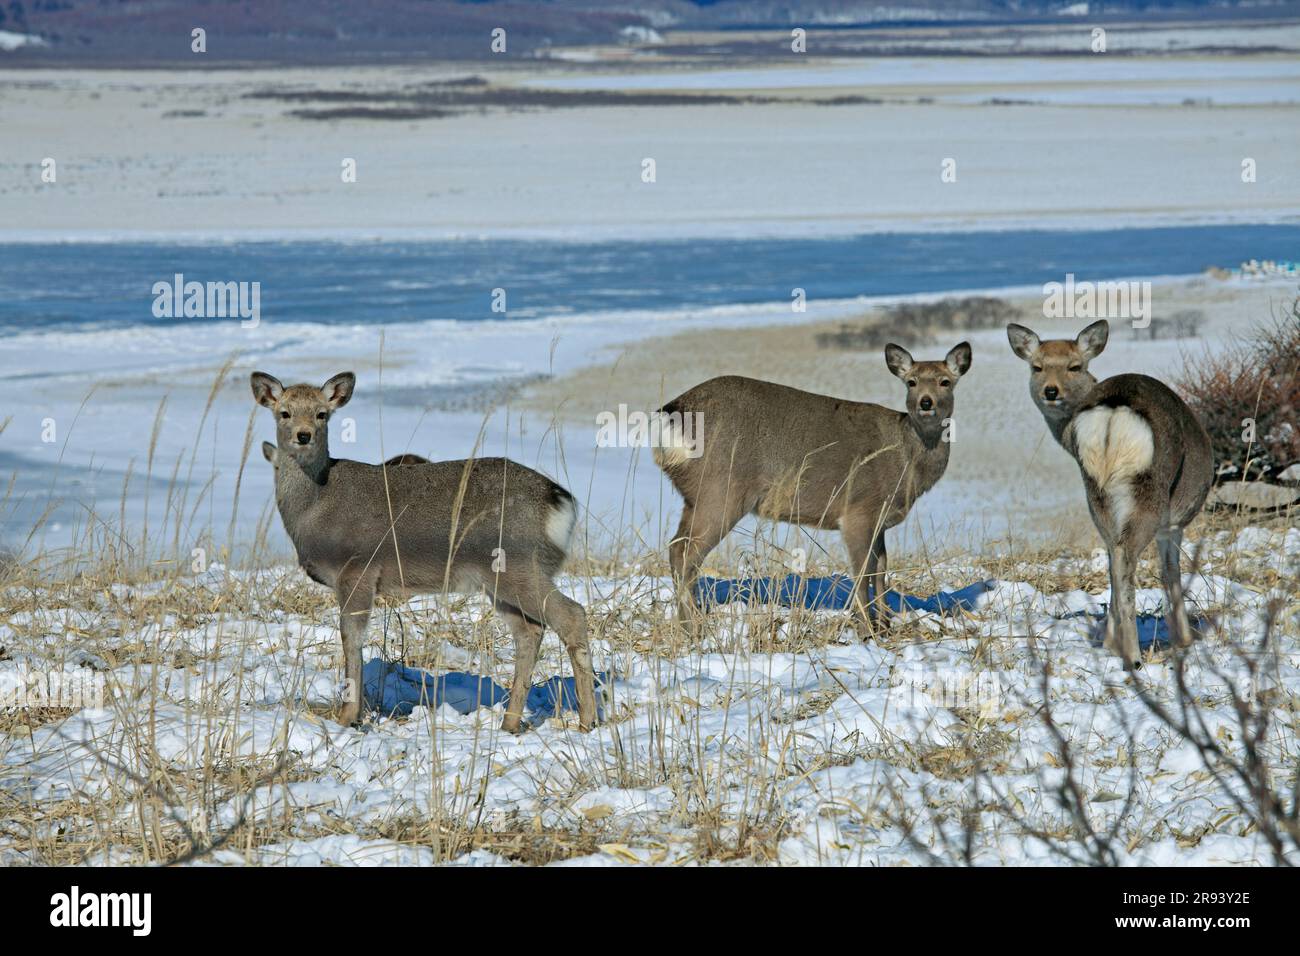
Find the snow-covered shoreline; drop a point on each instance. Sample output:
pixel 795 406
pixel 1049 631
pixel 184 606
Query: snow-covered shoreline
pixel 560 373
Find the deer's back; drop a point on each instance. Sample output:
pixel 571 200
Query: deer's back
pixel 503 505
pixel 760 437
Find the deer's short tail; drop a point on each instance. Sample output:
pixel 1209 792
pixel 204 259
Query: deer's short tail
pixel 1114 444
pixel 561 518
pixel 674 446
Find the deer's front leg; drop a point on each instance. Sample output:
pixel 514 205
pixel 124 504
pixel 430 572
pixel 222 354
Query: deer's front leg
pixel 356 593
pixel 528 642
pixel 877 566
pixel 864 536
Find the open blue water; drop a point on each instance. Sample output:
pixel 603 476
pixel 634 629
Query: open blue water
pixel 79 284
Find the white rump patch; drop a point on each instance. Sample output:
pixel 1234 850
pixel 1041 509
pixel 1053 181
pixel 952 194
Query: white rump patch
pixel 1114 446
pixel 560 524
pixel 673 447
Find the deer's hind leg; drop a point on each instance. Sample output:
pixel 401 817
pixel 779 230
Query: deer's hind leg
pixel 703 526
pixel 569 619
pixel 1169 541
pixel 1121 616
pixel 531 602
pixel 1127 536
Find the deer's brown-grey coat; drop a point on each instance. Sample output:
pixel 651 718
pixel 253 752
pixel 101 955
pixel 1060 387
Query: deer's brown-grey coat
pixel 809 459
pixel 1145 460
pixel 413 526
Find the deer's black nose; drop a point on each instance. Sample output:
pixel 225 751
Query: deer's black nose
pixel 927 403
pixel 304 438
pixel 1051 392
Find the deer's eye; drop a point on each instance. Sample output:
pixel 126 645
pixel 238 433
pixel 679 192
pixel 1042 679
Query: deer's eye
pixel 321 416
pixel 911 383
pixel 284 414
pixel 1076 368
pixel 1038 368
pixel 945 384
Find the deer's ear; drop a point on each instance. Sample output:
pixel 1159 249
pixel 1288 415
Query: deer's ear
pixel 1023 341
pixel 1093 339
pixel 898 359
pixel 958 360
pixel 269 451
pixel 266 389
pixel 338 390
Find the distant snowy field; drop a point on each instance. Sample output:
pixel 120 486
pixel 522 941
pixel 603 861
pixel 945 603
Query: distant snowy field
pixel 1098 80
pixel 774 739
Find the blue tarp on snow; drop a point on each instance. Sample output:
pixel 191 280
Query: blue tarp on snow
pixel 832 593
pixel 1152 628
pixel 393 688
pixel 825 594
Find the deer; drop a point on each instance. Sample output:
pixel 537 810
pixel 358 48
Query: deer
pixel 413 526
pixel 812 460
pixel 1146 464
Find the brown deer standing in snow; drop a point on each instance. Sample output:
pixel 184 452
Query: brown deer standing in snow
pixel 412 526
pixel 809 459
pixel 1146 466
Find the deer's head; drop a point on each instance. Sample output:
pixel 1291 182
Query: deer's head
pixel 929 384
pixel 1059 379
pixel 302 414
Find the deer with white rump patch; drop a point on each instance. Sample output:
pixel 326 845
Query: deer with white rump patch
pixel 411 526
pixel 790 455
pixel 1146 465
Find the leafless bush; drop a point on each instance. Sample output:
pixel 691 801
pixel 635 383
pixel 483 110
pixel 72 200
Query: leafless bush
pixel 1259 382
pixel 913 323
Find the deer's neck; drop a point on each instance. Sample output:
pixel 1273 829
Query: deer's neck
pixel 1058 419
pixel 1056 424
pixel 298 486
pixel 927 450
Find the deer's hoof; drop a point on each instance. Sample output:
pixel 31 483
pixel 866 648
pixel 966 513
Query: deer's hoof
pixel 689 622
pixel 511 726
pixel 869 631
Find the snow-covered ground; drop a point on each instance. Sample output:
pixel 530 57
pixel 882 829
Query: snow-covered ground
pixel 771 737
